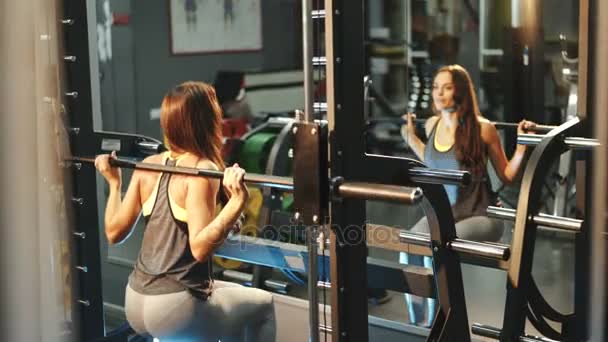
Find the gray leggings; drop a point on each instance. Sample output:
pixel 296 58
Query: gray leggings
pixel 475 228
pixel 232 313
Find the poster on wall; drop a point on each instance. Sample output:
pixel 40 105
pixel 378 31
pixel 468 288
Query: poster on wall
pixel 213 26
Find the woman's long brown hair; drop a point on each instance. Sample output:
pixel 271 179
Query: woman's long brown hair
pixel 468 143
pixel 191 119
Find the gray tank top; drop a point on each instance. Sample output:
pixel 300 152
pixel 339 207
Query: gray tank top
pixel 165 263
pixel 472 200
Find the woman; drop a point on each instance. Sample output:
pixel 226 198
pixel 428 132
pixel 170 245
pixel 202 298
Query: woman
pixel 170 294
pixel 459 137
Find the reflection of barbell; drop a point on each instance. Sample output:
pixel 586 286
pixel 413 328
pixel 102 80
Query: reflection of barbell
pixel 498 124
pixel 396 119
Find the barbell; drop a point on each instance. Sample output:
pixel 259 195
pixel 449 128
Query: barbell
pixel 341 188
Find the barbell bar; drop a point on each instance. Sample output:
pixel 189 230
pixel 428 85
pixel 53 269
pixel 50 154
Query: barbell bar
pixel 358 190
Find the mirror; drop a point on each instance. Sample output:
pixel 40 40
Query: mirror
pixel 252 52
pixel 521 56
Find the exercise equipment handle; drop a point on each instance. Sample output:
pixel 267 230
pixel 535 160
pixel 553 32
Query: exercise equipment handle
pixel 439 176
pixel 552 221
pixel 476 249
pixel 380 192
pixel 574 143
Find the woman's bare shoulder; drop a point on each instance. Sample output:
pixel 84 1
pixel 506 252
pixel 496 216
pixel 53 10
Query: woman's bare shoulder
pixel 488 130
pixel 207 164
pixel 431 120
pixel 483 120
pixel 154 159
pixel 199 163
pixel 430 123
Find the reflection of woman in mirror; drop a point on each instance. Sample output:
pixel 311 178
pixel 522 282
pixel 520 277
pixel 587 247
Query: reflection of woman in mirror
pixel 171 293
pixel 460 138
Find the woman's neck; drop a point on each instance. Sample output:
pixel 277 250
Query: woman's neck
pixel 449 119
pixel 175 154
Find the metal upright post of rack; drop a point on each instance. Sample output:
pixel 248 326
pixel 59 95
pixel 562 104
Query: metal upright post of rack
pixel 345 64
pixel 79 106
pixel 310 166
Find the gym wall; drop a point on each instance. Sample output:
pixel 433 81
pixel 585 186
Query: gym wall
pixel 140 71
pixel 142 68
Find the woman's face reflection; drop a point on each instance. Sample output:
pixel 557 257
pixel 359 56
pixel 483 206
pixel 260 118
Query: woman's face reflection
pixel 443 91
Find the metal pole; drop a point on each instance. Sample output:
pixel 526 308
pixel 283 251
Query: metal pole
pixel 577 143
pixel 379 192
pixel 482 33
pixel 307 50
pixel 309 109
pixel 552 221
pixel 572 142
pixel 438 176
pixel 480 249
pixel 485 331
pixel 313 272
pixel 277 182
pixel 493 251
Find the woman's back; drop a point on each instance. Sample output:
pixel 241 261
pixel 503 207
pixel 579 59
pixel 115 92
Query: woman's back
pixel 165 263
pixel 178 187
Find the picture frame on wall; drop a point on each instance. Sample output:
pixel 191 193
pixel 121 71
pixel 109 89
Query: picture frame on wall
pixel 214 26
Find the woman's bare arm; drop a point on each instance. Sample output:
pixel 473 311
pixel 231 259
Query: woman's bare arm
pixel 120 214
pixel 506 170
pixel 207 231
pixel 408 133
